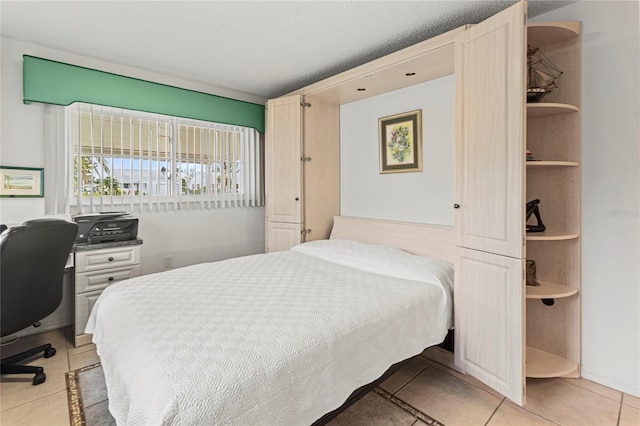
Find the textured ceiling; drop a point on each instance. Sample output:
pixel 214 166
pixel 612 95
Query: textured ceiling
pixel 262 48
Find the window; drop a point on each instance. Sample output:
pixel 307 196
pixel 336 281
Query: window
pixel 128 160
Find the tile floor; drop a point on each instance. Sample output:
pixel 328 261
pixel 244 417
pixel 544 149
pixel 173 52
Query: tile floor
pixel 445 395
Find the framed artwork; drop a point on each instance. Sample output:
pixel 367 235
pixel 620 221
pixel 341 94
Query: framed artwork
pixel 401 142
pixel 21 182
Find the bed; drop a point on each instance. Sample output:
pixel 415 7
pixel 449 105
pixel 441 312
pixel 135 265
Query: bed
pixel 279 338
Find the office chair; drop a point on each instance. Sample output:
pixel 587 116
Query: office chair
pixel 32 262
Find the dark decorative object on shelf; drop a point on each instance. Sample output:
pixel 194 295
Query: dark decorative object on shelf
pixel 533 281
pixel 532 208
pixel 530 156
pixel 531 273
pixel 541 76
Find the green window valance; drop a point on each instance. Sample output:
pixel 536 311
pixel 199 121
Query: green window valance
pixel 57 83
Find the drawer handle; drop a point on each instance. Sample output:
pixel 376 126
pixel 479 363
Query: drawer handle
pixel 110 278
pixel 111 259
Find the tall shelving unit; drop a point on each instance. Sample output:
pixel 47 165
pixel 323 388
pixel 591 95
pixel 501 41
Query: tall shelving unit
pixel 553 135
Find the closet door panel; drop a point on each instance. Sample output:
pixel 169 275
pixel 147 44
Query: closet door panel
pixel 490 99
pixel 489 318
pixel 283 165
pixel 282 236
pixel 321 167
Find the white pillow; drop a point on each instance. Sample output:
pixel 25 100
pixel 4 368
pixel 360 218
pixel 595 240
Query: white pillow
pixel 383 260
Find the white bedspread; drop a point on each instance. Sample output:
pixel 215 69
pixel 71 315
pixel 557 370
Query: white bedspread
pixel 274 339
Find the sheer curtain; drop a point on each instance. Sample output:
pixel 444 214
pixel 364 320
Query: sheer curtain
pixel 56 161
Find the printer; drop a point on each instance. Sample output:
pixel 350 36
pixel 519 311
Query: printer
pixel 103 227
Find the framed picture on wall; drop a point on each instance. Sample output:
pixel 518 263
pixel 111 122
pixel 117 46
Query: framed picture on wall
pixel 401 142
pixel 21 182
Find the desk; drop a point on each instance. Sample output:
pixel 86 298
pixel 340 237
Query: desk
pixel 96 267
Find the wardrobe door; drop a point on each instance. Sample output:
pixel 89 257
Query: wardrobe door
pixel 321 165
pixel 490 181
pixel 489 313
pixel 490 125
pixel 283 178
pixel 280 236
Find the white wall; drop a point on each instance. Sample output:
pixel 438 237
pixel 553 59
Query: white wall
pixel 610 190
pixel 189 236
pixel 426 196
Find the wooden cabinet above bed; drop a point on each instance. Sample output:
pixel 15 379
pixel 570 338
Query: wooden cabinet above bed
pixel 504 333
pixel 303 137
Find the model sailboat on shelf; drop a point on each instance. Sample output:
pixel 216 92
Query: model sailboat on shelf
pixel 542 75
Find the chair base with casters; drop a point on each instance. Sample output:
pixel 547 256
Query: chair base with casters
pixel 32 266
pixel 10 366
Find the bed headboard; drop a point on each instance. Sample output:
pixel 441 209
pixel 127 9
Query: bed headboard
pixel 425 240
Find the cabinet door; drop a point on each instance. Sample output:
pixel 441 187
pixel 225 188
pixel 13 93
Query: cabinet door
pixel 83 307
pixel 283 160
pixel 490 125
pixel 489 318
pixel 321 167
pixel 282 236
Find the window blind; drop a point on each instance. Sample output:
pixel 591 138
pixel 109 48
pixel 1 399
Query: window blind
pixel 127 160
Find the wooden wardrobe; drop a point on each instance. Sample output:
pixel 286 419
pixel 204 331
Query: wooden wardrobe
pixel 504 331
pixel 302 170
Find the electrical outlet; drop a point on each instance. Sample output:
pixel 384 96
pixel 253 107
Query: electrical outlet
pixel 168 262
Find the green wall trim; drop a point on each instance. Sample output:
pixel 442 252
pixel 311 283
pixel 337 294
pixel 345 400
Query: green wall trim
pixel 57 83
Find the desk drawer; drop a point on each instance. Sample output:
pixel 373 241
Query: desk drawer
pixel 98 280
pixel 83 307
pixel 107 258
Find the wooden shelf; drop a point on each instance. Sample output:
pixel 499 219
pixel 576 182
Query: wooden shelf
pixel 545 33
pixel 549 290
pixel 541 364
pixel 542 109
pixel 550 236
pixel 553 335
pixel 536 163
